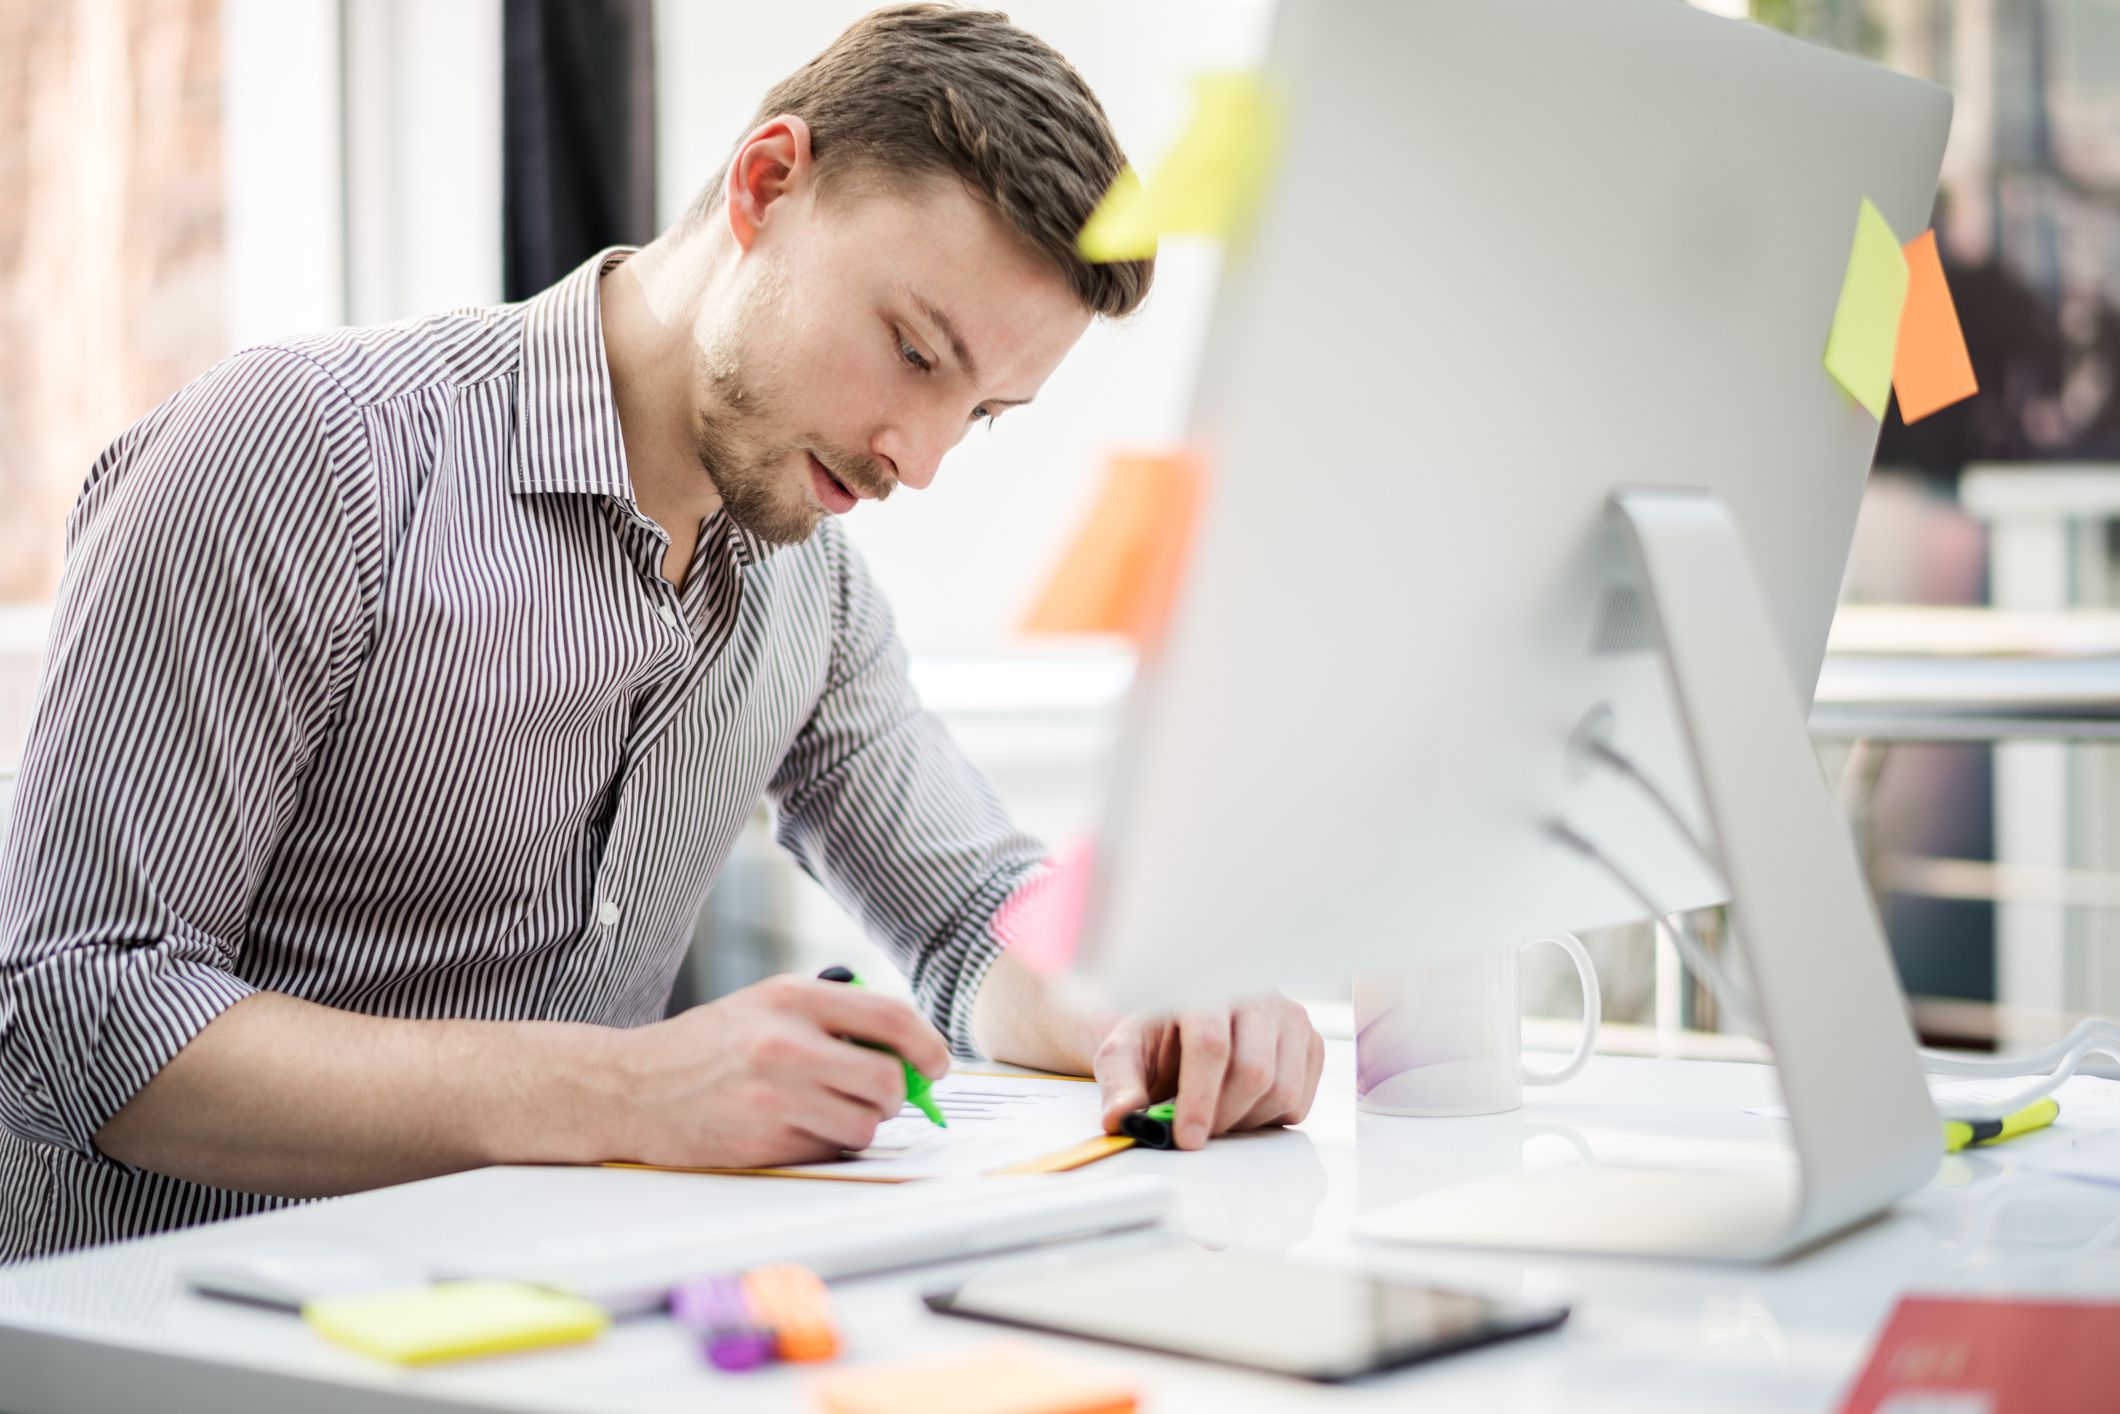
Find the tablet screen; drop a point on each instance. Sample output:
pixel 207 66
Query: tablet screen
pixel 1286 1317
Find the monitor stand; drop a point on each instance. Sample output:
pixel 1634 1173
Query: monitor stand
pixel 1865 1132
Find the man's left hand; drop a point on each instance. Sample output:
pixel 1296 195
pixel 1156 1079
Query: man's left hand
pixel 1245 1066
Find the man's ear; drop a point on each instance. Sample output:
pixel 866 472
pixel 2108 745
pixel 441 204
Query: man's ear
pixel 771 162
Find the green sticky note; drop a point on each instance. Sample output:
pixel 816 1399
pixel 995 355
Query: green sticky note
pixel 1865 331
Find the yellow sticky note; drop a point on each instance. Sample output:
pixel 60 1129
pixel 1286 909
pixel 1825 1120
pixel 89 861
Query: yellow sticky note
pixel 454 1320
pixel 1120 228
pixel 1208 185
pixel 1121 571
pixel 1004 1378
pixel 1931 368
pixel 1213 178
pixel 1865 329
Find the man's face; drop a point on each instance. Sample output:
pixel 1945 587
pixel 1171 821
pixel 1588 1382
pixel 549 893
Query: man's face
pixel 870 331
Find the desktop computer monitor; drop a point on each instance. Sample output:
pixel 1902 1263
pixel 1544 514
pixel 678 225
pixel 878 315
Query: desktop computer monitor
pixel 1518 259
pixel 1516 254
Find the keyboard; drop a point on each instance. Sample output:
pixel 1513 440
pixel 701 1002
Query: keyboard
pixel 872 1229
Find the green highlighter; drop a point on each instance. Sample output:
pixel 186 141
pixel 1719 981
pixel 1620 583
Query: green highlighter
pixel 916 1084
pixel 1152 1128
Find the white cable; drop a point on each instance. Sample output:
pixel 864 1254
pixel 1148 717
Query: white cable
pixel 1619 761
pixel 2053 1063
pixel 1725 988
pixel 2029 1062
pixel 2045 1085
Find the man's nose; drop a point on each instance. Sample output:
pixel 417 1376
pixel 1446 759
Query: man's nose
pixel 916 448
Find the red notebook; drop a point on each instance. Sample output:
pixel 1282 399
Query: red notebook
pixel 1943 1355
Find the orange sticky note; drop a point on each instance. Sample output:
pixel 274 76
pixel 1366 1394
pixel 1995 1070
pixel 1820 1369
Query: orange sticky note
pixel 1931 368
pixel 1120 573
pixel 1041 922
pixel 1004 1378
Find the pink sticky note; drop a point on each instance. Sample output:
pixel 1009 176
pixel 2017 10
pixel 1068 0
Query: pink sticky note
pixel 1042 921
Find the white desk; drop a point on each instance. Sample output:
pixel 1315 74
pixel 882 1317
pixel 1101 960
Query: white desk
pixel 109 1329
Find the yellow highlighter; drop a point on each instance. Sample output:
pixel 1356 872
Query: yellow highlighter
pixel 1961 1133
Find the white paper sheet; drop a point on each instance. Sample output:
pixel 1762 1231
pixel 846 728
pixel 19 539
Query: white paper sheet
pixel 2092 1155
pixel 994 1121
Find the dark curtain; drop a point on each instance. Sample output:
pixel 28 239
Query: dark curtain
pixel 578 132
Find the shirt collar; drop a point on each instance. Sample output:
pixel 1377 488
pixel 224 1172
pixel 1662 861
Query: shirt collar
pixel 567 435
pixel 746 548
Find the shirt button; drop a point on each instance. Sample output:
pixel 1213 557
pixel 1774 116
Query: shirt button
pixel 608 914
pixel 667 617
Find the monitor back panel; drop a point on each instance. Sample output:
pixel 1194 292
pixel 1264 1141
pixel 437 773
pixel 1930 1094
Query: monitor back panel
pixel 1515 254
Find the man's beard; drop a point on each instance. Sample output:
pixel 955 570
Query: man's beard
pixel 748 470
pixel 748 480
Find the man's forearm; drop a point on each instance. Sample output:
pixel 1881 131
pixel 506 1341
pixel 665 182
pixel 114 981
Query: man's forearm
pixel 282 1096
pixel 1017 1018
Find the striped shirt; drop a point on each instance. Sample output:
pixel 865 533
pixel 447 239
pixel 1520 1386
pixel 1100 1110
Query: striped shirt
pixel 365 686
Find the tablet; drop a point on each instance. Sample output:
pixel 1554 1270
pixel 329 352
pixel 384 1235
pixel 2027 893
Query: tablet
pixel 1318 1323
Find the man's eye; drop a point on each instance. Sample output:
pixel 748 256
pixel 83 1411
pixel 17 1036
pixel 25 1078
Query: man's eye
pixel 981 414
pixel 912 355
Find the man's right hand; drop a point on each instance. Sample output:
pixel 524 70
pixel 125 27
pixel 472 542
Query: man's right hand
pixel 766 1076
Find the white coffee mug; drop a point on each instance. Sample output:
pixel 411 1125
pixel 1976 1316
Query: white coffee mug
pixel 1446 1038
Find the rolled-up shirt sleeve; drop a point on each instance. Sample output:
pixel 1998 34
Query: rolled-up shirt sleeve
pixel 878 804
pixel 208 620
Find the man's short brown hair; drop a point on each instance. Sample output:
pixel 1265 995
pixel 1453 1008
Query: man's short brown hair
pixel 931 90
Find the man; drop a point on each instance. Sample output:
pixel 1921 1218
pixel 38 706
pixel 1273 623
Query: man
pixel 409 686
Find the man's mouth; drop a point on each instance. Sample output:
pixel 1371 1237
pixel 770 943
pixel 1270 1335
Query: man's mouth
pixel 832 493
